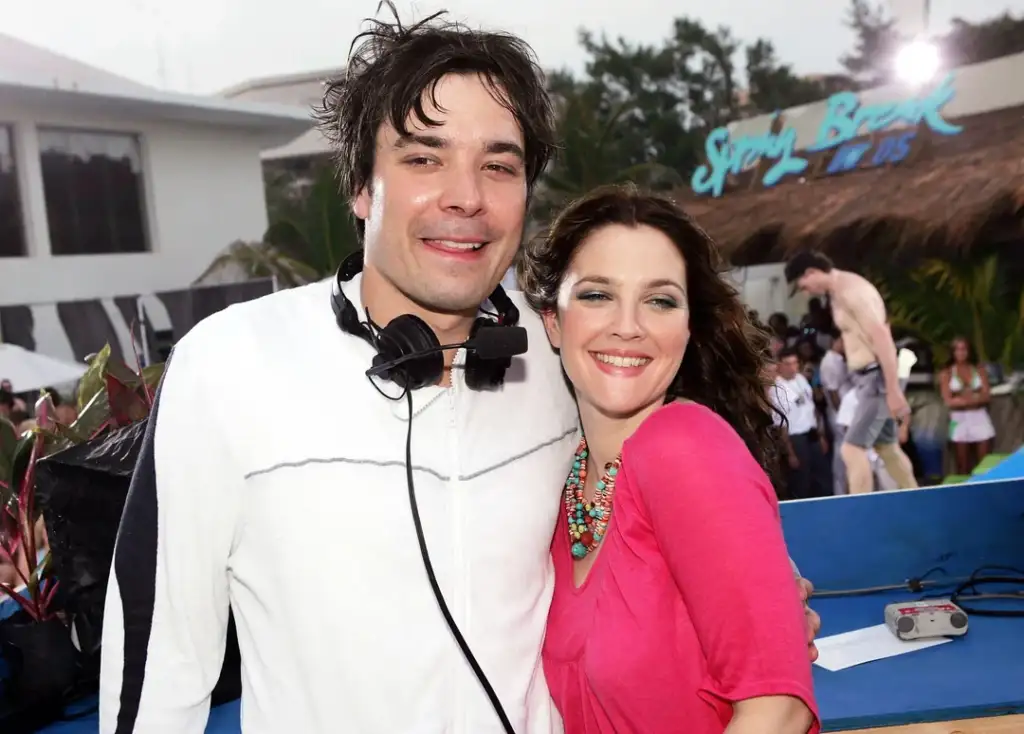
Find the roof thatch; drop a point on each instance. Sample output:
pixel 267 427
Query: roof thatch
pixel 960 190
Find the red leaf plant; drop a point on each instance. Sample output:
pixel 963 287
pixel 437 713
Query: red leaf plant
pixel 18 522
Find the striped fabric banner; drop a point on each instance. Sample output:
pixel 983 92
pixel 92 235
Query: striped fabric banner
pixel 72 330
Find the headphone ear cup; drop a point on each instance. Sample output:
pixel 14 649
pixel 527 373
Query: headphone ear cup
pixel 482 374
pixel 404 335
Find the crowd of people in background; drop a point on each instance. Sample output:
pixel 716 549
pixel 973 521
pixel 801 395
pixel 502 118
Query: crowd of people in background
pixel 806 424
pixel 812 390
pixel 17 409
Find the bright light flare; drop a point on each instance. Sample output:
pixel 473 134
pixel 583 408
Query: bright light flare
pixel 918 62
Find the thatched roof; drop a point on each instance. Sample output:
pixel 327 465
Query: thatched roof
pixel 958 191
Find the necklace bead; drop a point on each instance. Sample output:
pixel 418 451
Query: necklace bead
pixel 588 519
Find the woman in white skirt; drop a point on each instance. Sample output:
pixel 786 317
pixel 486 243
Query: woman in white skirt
pixel 965 390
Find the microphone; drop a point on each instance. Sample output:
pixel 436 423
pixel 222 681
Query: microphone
pixel 498 342
pixel 490 342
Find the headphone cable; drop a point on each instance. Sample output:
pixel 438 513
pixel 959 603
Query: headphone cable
pixel 491 695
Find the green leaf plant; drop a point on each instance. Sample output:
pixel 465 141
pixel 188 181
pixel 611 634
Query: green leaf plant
pixel 940 300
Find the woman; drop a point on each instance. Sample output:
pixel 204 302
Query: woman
pixel 965 390
pixel 673 608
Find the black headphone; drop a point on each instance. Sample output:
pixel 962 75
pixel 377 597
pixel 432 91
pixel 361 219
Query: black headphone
pixel 408 338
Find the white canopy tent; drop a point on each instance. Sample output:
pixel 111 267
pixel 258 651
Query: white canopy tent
pixel 30 371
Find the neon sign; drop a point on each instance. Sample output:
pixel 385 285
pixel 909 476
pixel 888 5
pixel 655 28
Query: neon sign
pixel 845 120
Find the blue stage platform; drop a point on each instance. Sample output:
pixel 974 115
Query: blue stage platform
pixel 883 539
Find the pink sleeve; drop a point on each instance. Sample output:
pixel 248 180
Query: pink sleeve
pixel 715 518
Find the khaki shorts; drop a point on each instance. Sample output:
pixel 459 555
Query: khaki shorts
pixel 872 423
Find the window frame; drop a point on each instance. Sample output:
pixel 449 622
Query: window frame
pixel 10 130
pixel 143 186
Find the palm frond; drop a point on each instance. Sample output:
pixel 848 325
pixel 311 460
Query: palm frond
pixel 311 231
pixel 316 227
pixel 260 260
pixel 941 300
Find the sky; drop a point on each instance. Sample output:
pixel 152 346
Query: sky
pixel 202 46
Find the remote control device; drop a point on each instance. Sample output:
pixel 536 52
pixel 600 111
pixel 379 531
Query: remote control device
pixel 918 620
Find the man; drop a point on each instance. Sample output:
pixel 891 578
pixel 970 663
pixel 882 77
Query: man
pixel 803 432
pixel 859 313
pixel 836 382
pixel 781 333
pixel 817 324
pixel 440 134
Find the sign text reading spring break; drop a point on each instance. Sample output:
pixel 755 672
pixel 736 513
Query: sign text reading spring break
pixel 845 120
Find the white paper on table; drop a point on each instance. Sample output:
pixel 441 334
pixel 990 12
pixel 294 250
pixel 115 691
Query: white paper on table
pixel 837 652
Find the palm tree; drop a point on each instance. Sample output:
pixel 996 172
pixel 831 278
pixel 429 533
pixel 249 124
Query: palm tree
pixel 314 223
pixel 972 298
pixel 592 147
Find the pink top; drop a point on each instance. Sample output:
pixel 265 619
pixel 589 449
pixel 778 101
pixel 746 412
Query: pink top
pixel 691 603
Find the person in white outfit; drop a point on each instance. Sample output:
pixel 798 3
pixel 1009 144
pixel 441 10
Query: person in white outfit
pixel 964 385
pixel 837 382
pixel 804 436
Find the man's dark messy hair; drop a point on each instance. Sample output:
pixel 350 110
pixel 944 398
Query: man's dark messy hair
pixel 394 69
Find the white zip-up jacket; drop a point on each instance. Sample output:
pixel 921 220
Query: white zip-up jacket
pixel 272 479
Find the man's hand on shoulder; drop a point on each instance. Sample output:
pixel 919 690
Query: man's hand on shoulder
pixel 813 620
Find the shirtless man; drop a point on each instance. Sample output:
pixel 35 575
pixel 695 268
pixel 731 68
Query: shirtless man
pixel 859 314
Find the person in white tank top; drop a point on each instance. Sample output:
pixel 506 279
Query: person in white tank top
pixel 964 386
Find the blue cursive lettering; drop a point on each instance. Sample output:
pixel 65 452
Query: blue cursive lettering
pixel 848 157
pixel 845 119
pixel 726 157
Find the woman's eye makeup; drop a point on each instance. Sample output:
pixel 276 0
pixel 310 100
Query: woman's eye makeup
pixel 591 295
pixel 664 302
pixel 660 301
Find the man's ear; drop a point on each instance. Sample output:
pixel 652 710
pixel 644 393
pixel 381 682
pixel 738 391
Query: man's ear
pixel 552 327
pixel 361 204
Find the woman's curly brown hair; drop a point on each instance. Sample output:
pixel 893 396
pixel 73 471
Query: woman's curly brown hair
pixel 724 364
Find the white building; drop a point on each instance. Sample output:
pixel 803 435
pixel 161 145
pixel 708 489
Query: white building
pixel 302 91
pixel 109 187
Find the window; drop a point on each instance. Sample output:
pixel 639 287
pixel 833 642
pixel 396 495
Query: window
pixel 93 187
pixel 12 235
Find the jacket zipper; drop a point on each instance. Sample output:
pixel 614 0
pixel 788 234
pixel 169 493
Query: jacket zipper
pixel 460 575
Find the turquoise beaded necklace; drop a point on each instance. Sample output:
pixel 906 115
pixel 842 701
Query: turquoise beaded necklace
pixel 588 520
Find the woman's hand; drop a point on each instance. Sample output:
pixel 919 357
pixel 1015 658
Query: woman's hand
pixel 813 620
